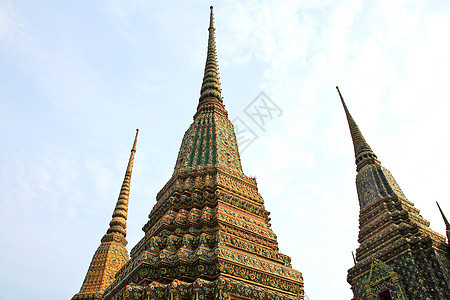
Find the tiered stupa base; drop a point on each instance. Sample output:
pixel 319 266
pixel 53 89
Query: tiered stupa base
pixel 222 288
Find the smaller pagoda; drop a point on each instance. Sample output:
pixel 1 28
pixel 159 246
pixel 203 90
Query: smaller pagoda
pixel 399 256
pixel 111 255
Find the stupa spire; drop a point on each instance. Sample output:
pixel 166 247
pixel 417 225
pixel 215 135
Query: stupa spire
pixel 210 141
pixel 393 236
pixel 363 153
pixel 208 235
pixel 447 224
pixel 118 223
pixel 111 255
pixel 211 85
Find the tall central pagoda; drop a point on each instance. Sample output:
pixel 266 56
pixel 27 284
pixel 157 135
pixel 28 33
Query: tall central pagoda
pixel 208 235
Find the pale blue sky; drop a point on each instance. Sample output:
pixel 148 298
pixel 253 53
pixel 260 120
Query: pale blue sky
pixel 77 79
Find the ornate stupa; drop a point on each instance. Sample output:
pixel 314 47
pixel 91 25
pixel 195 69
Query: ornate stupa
pixel 111 255
pixel 208 235
pixel 399 256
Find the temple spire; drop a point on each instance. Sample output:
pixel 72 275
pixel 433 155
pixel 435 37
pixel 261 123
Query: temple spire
pixel 210 141
pixel 363 153
pixel 447 224
pixel 111 255
pixel 118 223
pixel 211 85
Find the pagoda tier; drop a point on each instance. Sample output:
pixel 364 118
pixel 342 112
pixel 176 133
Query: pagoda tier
pixel 209 234
pixel 399 256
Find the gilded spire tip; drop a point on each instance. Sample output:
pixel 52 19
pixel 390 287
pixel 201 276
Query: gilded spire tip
pixel 118 223
pixel 135 140
pixel 211 84
pixel 363 153
pixel 211 19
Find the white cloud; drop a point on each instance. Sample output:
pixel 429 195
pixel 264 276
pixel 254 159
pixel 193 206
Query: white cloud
pixel 11 24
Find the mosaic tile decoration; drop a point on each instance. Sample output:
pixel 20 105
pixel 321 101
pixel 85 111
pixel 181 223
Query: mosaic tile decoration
pixel 398 251
pixel 208 236
pixel 111 255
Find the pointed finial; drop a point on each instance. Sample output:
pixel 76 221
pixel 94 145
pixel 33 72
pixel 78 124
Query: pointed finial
pixel 211 19
pixel 135 140
pixel 447 224
pixel 211 84
pixel 363 153
pixel 354 259
pixel 118 223
pixel 342 100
